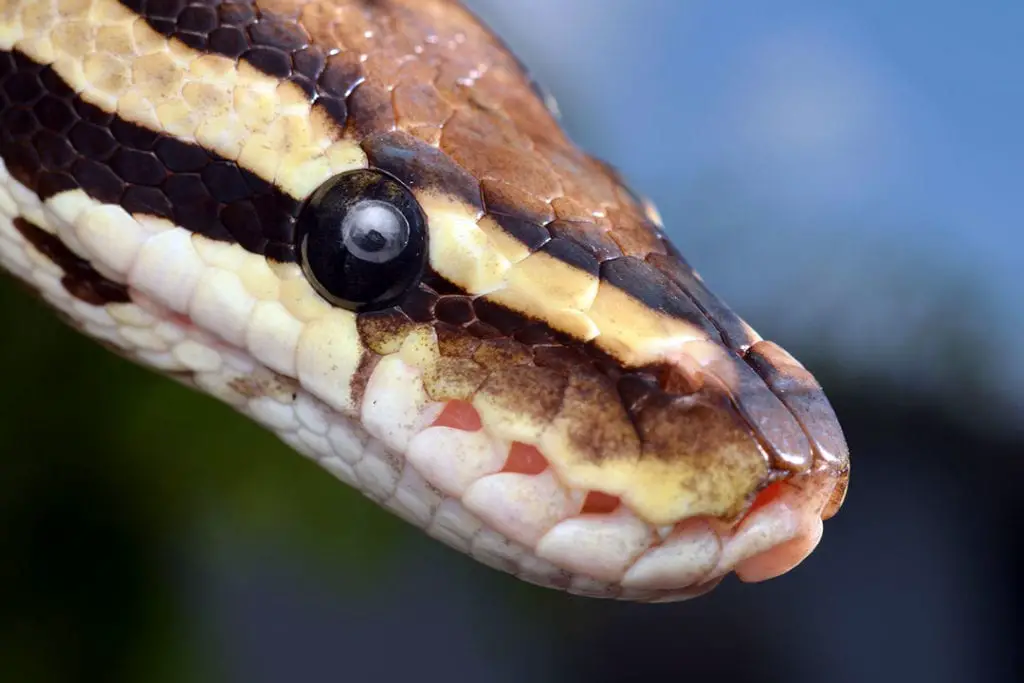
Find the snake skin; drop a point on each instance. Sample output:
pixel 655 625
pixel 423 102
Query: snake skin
pixel 420 89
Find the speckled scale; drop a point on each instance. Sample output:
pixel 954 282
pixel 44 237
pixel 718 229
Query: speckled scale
pixel 464 322
pixel 511 172
pixel 653 389
pixel 491 149
pixel 647 394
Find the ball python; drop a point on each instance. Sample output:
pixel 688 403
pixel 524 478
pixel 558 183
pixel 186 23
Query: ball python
pixel 361 224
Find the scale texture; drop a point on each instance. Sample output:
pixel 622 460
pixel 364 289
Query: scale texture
pixel 561 396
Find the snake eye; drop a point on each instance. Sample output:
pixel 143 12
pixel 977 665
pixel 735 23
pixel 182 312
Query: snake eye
pixel 361 240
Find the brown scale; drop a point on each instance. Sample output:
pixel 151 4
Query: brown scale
pixel 435 98
pixel 494 137
pixel 455 111
pixel 486 347
pixel 501 150
pixel 80 279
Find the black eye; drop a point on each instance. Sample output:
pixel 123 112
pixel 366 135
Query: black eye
pixel 361 240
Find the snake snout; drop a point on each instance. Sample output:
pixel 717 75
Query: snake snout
pixel 792 509
pixel 724 404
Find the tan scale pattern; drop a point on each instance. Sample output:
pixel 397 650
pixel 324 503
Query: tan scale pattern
pixel 702 443
pixel 107 54
pixel 359 452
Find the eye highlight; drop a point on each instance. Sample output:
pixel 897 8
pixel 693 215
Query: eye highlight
pixel 361 240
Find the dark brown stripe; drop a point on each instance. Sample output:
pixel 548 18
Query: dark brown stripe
pixel 80 279
pixel 776 427
pixel 532 235
pixel 280 47
pixel 468 326
pixel 275 45
pixel 420 165
pixel 803 396
pixel 54 141
pixel 51 141
pixel 573 254
pixel 465 322
pixel 733 332
pixel 656 290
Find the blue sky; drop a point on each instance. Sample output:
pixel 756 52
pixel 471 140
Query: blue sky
pixel 864 159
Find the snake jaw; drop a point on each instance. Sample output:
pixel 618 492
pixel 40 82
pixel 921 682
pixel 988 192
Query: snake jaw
pixel 510 506
pixel 439 462
pixel 796 512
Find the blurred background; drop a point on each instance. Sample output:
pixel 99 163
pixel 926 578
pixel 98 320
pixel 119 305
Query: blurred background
pixel 848 175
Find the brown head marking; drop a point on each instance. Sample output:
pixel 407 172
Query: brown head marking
pixel 556 304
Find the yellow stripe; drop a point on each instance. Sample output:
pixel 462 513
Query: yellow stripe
pixel 115 61
pixel 473 255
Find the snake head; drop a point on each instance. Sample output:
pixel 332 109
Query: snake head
pixel 362 225
pixel 603 415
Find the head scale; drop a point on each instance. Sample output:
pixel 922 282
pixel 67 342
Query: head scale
pixel 373 202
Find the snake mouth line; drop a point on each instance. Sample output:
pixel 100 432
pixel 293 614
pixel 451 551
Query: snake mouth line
pixel 439 465
pixel 513 489
pixel 435 464
pixel 554 391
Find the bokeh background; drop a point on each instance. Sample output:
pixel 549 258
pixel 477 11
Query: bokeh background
pixel 848 175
